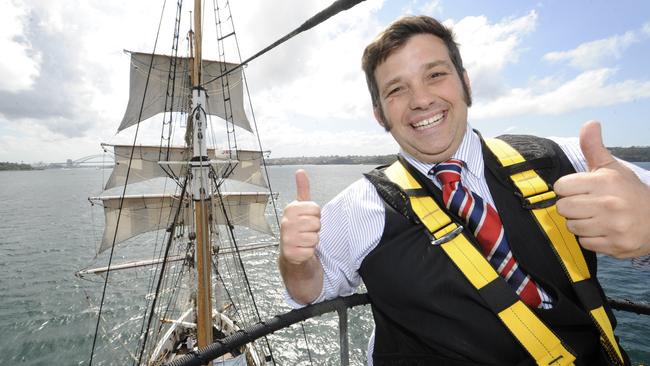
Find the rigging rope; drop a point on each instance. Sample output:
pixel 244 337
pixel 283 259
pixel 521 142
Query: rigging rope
pixel 266 171
pixel 230 227
pixel 325 14
pixel 335 8
pixel 162 270
pixel 171 79
pixel 158 266
pixel 257 135
pixel 126 180
pixel 173 61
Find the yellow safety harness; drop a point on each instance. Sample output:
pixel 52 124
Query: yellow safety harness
pixel 538 340
pixel 534 189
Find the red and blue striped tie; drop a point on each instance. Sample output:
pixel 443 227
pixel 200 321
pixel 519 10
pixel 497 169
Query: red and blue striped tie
pixel 483 220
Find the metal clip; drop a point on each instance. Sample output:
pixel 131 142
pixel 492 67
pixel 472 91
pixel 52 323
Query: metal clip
pixel 532 206
pixel 448 237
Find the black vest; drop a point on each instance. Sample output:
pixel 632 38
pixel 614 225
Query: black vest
pixel 427 313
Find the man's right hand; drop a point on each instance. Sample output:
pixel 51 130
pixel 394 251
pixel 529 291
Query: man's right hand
pixel 300 224
pixel 301 271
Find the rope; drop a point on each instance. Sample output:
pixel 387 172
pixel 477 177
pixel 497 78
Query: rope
pixel 157 254
pixel 230 226
pixel 173 62
pixel 257 135
pixel 266 170
pixel 335 8
pixel 162 272
pixel 126 180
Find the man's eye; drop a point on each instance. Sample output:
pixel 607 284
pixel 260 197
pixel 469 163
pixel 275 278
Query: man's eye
pixel 436 74
pixel 394 90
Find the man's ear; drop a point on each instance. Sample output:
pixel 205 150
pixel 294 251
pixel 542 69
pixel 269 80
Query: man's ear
pixel 469 85
pixel 379 116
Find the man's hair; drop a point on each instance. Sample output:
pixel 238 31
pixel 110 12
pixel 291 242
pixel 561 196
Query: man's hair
pixel 395 36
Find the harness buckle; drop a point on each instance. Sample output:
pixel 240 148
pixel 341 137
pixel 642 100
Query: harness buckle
pixel 542 200
pixel 448 237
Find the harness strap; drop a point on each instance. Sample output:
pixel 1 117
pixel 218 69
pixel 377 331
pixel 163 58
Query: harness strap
pixel 535 191
pixel 538 340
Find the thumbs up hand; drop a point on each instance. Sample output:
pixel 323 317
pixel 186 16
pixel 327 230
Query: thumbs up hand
pixel 300 224
pixel 608 207
pixel 301 271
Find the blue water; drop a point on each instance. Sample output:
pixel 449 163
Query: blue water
pixel 48 231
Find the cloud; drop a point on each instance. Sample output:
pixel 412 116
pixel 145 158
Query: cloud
pixel 20 63
pixel 82 85
pixel 588 89
pixel 592 88
pixel 488 48
pixel 595 53
pixel 322 78
pixel 430 8
pixel 646 29
pixel 32 142
pixel 289 140
pixel 417 7
pixel 61 92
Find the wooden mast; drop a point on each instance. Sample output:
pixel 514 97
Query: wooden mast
pixel 198 39
pixel 201 193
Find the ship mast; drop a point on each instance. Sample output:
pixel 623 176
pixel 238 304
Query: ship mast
pixel 201 192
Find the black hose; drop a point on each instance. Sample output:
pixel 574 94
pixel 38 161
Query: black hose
pixel 627 305
pixel 244 336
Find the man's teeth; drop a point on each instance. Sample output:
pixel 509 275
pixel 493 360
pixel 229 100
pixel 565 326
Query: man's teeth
pixel 429 121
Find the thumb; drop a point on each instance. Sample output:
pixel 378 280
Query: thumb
pixel 302 186
pixel 591 144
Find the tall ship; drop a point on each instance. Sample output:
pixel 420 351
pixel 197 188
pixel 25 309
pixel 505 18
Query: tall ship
pixel 188 200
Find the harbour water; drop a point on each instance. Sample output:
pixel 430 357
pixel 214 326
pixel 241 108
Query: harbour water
pixel 48 230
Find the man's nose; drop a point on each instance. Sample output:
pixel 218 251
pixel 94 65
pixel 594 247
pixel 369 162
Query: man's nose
pixel 421 97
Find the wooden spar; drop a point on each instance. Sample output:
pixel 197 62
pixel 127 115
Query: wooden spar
pixel 129 265
pixel 203 259
pixel 201 195
pixel 198 39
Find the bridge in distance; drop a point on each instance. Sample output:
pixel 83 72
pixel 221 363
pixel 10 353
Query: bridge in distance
pixel 97 160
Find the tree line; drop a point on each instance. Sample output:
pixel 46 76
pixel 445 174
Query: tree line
pixel 15 166
pixel 632 154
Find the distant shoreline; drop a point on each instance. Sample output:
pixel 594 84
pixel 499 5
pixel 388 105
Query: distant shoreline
pixel 636 154
pixel 15 166
pixel 334 160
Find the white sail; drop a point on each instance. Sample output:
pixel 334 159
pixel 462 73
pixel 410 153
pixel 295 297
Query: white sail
pixel 145 213
pixel 149 162
pixel 154 102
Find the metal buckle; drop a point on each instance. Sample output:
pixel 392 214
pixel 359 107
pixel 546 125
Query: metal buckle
pixel 532 206
pixel 448 237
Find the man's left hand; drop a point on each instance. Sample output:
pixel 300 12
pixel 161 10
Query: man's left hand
pixel 608 207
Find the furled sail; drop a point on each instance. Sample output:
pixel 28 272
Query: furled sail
pixel 149 162
pixel 154 102
pixel 145 213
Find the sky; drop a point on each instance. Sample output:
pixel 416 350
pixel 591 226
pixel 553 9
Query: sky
pixel 540 68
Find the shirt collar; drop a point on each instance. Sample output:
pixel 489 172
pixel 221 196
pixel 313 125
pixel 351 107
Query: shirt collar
pixel 469 151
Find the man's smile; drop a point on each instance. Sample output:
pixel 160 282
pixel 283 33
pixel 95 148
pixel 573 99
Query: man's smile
pixel 429 122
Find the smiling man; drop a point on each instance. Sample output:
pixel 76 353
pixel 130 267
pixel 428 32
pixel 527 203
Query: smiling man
pixel 468 256
pixel 422 99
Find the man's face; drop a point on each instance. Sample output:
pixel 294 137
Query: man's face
pixel 422 100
